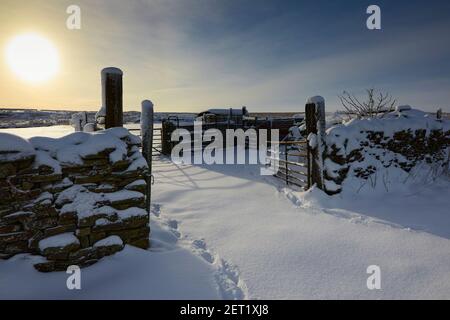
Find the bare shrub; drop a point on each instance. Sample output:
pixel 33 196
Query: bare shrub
pixel 375 104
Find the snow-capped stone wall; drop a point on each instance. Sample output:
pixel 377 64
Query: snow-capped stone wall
pixel 386 153
pixel 72 200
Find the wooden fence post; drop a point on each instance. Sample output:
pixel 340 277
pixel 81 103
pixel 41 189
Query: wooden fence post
pixel 147 121
pixel 315 124
pixel 112 97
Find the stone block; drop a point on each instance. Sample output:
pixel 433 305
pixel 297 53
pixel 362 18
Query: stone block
pixel 45 266
pixel 34 240
pixel 10 228
pixel 143 243
pixel 46 178
pixel 14 237
pixel 7 170
pixel 16 247
pixel 90 179
pixel 88 253
pixel 59 251
pixel 16 217
pixel 42 223
pixel 82 232
pixel 104 154
pixel 96 236
pixel 68 218
pixel 59 229
pixel 84 241
pixel 109 250
pixel 130 234
pixel 121 165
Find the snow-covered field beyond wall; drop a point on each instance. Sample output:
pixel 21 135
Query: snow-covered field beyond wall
pixel 225 232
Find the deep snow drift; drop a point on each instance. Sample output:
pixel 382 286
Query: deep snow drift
pixel 296 245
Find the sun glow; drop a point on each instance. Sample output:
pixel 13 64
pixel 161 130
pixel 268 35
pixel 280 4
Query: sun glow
pixel 32 58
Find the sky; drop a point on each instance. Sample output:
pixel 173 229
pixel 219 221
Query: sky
pixel 190 55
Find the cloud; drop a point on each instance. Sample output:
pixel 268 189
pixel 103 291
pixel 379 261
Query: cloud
pixel 188 55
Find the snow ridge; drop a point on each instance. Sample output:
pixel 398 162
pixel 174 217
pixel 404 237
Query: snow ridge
pixel 311 200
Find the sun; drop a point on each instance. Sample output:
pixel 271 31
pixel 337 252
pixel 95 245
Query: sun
pixel 32 58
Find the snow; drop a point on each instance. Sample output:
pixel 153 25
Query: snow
pixel 110 241
pixel 63 184
pixel 316 100
pixel 12 143
pixel 393 122
pixel 70 194
pixel 101 112
pixel 227 232
pixel 79 200
pixel 46 198
pixel 138 164
pixel 133 273
pixel 331 186
pixel 132 212
pixel 44 159
pixel 13 147
pixel 111 70
pixel 26 133
pixel 169 270
pixel 58 241
pixel 89 127
pixel 146 116
pixel 402 108
pixel 352 135
pixel 286 245
pixel 136 183
pixel 78 121
pixel 332 168
pixel 122 195
pixel 85 203
pixel 71 149
pixel 312 140
pixel 294 132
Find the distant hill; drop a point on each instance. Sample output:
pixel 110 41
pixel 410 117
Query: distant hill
pixel 24 118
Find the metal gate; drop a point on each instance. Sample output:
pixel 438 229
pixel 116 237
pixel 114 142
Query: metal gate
pixel 293 159
pixel 157 139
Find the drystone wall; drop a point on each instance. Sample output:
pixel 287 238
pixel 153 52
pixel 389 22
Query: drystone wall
pixel 407 145
pixel 72 200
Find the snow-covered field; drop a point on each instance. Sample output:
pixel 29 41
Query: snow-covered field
pixel 28 118
pixel 227 232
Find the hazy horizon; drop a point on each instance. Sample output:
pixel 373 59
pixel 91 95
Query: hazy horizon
pixel 270 56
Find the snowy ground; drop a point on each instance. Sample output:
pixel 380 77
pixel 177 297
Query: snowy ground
pixel 293 245
pixel 53 131
pixel 167 271
pixel 226 232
